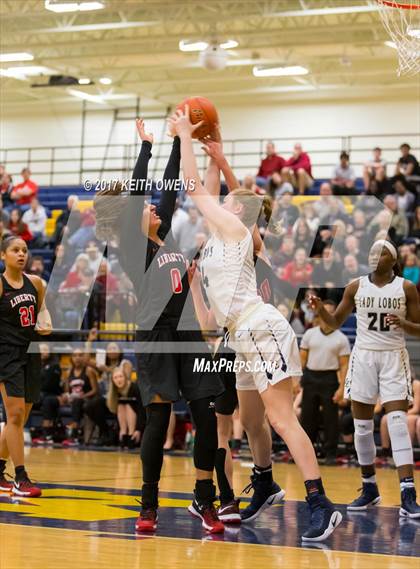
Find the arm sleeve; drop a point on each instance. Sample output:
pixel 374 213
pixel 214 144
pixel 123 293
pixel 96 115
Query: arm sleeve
pixel 141 169
pixel 167 202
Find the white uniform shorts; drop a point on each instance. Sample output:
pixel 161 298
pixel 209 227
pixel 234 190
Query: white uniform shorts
pixel 384 374
pixel 266 350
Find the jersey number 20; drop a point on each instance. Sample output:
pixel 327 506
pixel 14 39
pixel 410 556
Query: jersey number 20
pixel 27 316
pixel 383 327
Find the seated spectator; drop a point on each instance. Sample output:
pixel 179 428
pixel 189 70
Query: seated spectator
pixel 249 183
pixel 310 216
pixel 61 268
pixel 298 170
pixel 323 238
pixel 353 269
pixel 23 193
pixel 377 190
pixel 277 187
pixel 352 247
pixel 85 233
pixel 399 223
pixel 411 269
pixel 74 277
pixel 65 223
pixel 375 169
pixel 298 272
pixel 327 202
pixel 407 164
pixel 285 211
pixel 284 254
pixel 415 224
pixel 4 216
pixel 327 272
pixel 124 400
pixel 17 227
pixel 302 235
pixel 36 219
pixel 359 222
pixel 334 211
pixel 189 229
pixel 269 165
pixel 94 258
pixel 107 294
pixel 406 201
pixel 308 314
pixel 344 177
pixel 37 267
pixel 6 188
pixel 81 388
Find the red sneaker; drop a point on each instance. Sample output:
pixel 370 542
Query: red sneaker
pixel 229 513
pixel 26 488
pixel 147 520
pixel 5 485
pixel 208 515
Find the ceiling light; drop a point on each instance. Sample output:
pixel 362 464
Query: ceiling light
pixel 86 96
pixel 72 6
pixel 413 32
pixel 229 44
pixel 84 81
pixel 5 57
pixel 185 45
pixel 95 27
pixel 279 71
pixel 105 80
pixel 22 72
pixel 391 44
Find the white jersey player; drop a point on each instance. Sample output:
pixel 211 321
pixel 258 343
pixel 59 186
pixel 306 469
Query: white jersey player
pixel 258 332
pixel 379 368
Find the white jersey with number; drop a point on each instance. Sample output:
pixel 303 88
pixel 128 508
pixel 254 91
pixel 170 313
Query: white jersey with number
pixel 373 303
pixel 228 275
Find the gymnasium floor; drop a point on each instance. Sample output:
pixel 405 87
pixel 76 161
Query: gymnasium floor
pixel 85 520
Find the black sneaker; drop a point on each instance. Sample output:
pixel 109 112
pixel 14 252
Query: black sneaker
pixel 266 494
pixel 369 497
pixel 409 507
pixel 324 518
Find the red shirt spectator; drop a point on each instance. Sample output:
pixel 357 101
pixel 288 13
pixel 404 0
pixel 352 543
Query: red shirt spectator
pixel 17 227
pixel 300 160
pixel 22 194
pixel 298 272
pixel 271 163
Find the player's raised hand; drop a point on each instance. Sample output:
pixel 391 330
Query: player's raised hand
pixel 394 320
pixel 181 123
pixel 213 149
pixel 144 136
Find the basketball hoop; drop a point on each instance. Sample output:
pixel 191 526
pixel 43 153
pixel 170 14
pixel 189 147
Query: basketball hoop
pixel 402 21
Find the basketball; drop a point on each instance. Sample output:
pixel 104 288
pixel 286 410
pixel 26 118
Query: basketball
pixel 201 109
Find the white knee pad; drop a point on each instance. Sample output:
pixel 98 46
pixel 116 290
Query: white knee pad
pixel 364 442
pixel 402 449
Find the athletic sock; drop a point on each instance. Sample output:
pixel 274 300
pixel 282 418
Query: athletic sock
pixel 226 492
pixel 2 465
pixel 20 473
pixel 407 482
pixel 205 490
pixel 314 487
pixel 369 479
pixel 264 473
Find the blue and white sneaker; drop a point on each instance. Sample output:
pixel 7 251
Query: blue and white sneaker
pixel 409 507
pixel 324 518
pixel 369 497
pixel 266 494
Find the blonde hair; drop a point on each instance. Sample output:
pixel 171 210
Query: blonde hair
pixel 254 206
pixel 108 211
pixel 114 393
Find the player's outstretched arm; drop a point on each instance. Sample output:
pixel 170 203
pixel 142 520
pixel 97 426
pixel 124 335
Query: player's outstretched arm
pixel 141 168
pixel 204 314
pixel 226 223
pixel 214 149
pixel 343 310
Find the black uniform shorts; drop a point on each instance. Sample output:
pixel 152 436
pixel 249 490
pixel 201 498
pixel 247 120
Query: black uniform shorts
pixel 172 375
pixel 20 372
pixel 227 402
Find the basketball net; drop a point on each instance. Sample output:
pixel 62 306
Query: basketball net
pixel 402 21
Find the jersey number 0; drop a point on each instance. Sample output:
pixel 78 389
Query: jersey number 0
pixel 176 281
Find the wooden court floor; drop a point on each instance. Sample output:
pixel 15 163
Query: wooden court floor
pixel 86 517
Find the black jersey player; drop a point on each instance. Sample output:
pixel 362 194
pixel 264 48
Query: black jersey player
pixel 153 261
pixel 22 318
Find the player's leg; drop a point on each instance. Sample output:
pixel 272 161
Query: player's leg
pixel 253 417
pixel 122 424
pixel 169 442
pixel 238 433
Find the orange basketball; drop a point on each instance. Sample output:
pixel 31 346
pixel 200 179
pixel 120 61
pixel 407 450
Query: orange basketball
pixel 201 109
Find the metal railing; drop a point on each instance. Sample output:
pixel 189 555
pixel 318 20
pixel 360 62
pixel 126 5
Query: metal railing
pixel 72 164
